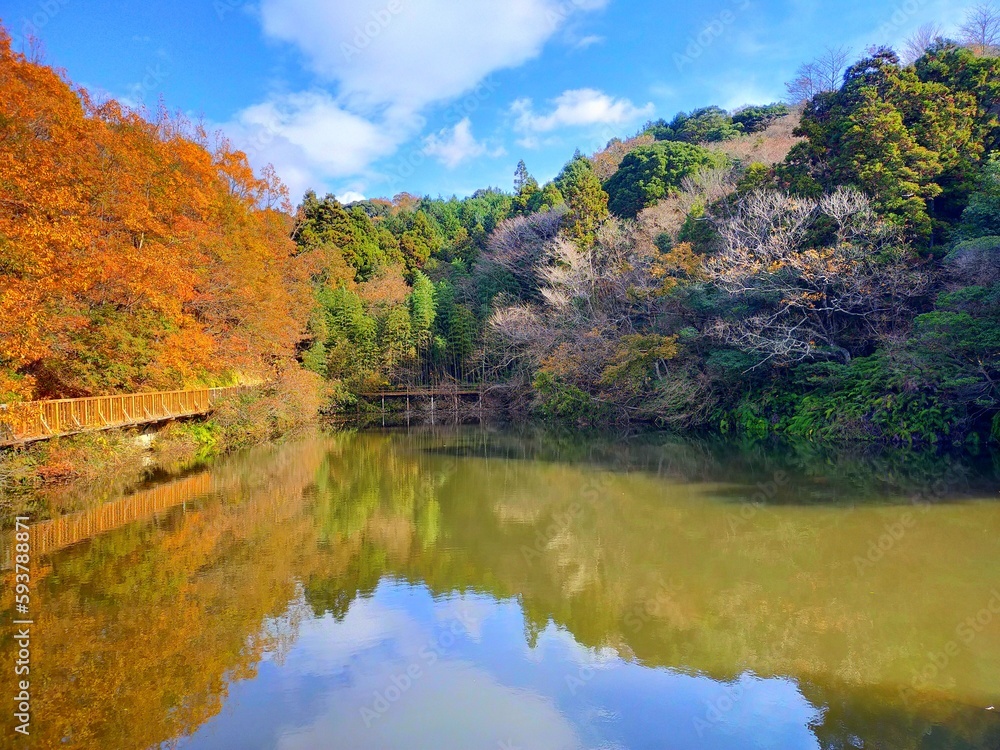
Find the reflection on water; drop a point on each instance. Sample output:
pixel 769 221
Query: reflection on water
pixel 470 589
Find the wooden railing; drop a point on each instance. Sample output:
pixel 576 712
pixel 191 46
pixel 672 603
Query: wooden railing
pixel 40 420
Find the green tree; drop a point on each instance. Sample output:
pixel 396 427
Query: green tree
pixel 757 118
pixel 419 242
pixel 705 125
pixel 885 160
pixel 981 217
pixel 527 192
pixel 904 136
pixel 551 197
pixel 397 337
pixel 352 345
pixel 650 173
pixel 586 201
pixel 422 310
pixel 328 226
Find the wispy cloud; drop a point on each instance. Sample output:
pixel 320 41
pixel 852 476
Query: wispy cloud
pixel 577 107
pixel 588 41
pixel 411 53
pixel 452 146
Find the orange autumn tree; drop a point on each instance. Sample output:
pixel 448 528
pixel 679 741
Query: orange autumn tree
pixel 135 254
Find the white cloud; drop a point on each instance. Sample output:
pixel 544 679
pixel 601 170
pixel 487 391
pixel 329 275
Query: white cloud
pixel 350 196
pixel 575 108
pixel 588 41
pixel 311 139
pixel 452 146
pixel 384 62
pixel 411 53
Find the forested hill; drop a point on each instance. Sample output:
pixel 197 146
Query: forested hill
pixel 827 267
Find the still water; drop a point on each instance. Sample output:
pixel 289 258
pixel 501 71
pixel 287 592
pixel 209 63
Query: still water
pixel 469 588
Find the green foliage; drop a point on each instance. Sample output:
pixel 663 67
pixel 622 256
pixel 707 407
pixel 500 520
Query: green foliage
pixel 529 197
pixel 314 358
pixel 981 216
pixel 705 125
pixel 397 339
pixel 885 160
pixel 420 241
pixel 902 135
pixel 746 419
pixel 422 310
pixel 526 190
pixel 957 348
pixel 651 335
pixel 586 200
pixel 563 402
pixel 872 398
pixel 454 327
pixel 698 230
pixel 756 118
pixel 550 197
pixel 649 173
pixel 327 225
pixel 639 360
pixel 757 176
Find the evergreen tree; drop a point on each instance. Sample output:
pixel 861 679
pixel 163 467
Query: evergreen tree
pixel 901 135
pixel 650 173
pixel 586 201
pixel 420 241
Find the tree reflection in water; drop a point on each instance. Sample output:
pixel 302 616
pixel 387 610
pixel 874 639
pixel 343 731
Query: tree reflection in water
pixel 710 561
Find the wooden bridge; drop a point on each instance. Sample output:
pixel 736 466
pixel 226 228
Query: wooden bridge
pixel 454 393
pixel 443 391
pixel 41 420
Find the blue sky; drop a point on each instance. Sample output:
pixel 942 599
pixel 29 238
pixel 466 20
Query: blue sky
pixel 375 97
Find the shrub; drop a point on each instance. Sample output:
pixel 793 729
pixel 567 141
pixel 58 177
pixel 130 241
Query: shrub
pixel 755 119
pixel 650 173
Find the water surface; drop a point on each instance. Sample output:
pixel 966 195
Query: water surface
pixel 467 588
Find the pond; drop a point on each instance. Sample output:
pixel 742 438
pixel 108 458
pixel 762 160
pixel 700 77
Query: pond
pixel 476 588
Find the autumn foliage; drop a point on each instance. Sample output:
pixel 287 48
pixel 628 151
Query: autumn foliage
pixel 135 254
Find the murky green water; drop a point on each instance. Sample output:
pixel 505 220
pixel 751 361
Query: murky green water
pixel 473 589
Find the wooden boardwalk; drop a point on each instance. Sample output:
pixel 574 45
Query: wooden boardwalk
pixel 41 420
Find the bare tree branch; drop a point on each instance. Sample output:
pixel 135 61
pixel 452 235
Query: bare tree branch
pixel 981 30
pixel 919 41
pixel 825 73
pixel 811 299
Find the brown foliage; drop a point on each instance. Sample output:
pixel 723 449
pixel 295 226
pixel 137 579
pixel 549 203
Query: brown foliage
pixel 770 146
pixel 606 162
pixel 824 298
pixel 388 288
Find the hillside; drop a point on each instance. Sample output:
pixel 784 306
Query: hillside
pixel 826 268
